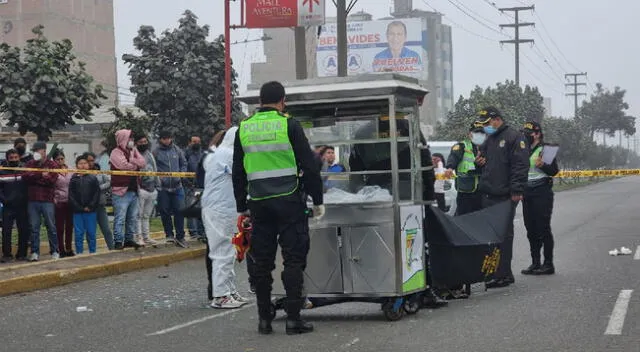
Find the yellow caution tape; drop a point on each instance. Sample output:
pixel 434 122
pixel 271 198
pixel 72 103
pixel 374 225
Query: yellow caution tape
pixel 104 172
pixel 580 173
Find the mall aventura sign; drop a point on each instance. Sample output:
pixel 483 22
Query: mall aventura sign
pixel 284 13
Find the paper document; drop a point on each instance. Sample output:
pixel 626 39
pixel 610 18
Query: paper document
pixel 549 153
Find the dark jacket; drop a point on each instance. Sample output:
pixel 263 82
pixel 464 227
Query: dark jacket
pixel 170 159
pixel 41 187
pixel 84 192
pixel 507 168
pixel 193 158
pixel 13 190
pixel 307 163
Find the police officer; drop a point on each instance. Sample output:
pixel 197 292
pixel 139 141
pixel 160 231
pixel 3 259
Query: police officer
pixel 537 204
pixel 269 153
pixel 466 160
pixel 504 178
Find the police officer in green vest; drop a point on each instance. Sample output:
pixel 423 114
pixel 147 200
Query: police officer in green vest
pixel 270 152
pixel 467 162
pixel 537 204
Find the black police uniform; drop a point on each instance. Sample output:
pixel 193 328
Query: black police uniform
pixel 282 220
pixel 503 175
pixel 537 207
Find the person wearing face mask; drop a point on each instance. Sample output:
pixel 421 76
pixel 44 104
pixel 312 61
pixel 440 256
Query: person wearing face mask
pixel 20 145
pixel 147 193
pixel 13 195
pixel 194 155
pixel 466 161
pixel 125 157
pixel 537 204
pixel 41 193
pixel 504 178
pixel 104 180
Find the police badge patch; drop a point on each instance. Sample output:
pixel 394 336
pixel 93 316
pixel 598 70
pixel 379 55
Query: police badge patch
pixel 522 145
pixel 502 143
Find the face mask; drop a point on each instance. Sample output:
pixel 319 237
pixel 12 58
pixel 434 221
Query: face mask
pixel 489 130
pixel 37 156
pixel 530 139
pixel 14 163
pixel 21 150
pixel 143 147
pixel 195 146
pixel 478 138
pixel 130 145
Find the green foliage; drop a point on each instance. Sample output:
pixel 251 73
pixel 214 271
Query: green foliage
pixel 515 103
pixel 606 112
pixel 139 125
pixel 179 79
pixel 43 88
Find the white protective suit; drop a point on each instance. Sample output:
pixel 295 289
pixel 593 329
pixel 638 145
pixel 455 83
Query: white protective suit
pixel 219 215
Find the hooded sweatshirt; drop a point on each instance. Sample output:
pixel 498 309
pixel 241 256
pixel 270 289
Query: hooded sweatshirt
pixel 123 158
pixel 218 184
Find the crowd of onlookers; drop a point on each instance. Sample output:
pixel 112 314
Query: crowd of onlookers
pixel 76 202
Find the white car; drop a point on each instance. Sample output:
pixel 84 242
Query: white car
pixel 450 193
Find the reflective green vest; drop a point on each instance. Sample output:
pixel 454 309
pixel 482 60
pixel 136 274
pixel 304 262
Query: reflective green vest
pixel 269 160
pixel 466 183
pixel 534 172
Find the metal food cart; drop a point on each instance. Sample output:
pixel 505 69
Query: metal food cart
pixel 369 246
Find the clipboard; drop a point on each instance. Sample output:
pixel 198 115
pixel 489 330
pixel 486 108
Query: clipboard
pixel 549 152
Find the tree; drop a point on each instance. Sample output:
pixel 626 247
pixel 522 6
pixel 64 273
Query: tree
pixel 43 88
pixel 139 125
pixel 515 103
pixel 179 78
pixel 606 112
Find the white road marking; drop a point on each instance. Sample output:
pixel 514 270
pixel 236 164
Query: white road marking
pixel 637 255
pixel 616 321
pixel 353 342
pixel 201 320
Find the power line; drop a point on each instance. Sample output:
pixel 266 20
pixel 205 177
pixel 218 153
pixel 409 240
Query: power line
pixel 475 13
pixel 535 76
pixel 544 28
pixel 539 53
pixel 457 25
pixel 477 20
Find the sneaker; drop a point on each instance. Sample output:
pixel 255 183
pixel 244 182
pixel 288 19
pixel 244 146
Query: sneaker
pixel 55 256
pixel 131 244
pixel 118 246
pixel 151 241
pixel 182 243
pixel 252 289
pixel 141 241
pixel 170 240
pixel 307 304
pixel 195 237
pixel 226 302
pixel 34 257
pixel 239 298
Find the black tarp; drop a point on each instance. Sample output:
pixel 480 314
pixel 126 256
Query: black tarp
pixel 465 249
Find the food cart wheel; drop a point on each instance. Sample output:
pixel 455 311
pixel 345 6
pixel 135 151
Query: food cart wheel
pixel 392 310
pixel 411 304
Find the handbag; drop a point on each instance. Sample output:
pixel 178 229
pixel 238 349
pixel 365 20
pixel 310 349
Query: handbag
pixel 192 207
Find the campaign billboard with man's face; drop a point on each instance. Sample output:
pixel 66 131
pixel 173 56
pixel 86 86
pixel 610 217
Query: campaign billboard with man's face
pixel 376 47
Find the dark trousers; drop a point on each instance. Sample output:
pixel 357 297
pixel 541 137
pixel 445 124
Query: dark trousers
pixel 207 264
pixel 537 208
pixel 64 227
pixel 20 216
pixel 468 203
pixel 279 221
pixel 504 268
pixel 442 205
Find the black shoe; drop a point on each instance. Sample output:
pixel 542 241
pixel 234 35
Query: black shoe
pixel 295 327
pixel 264 327
pixel 509 280
pixel 545 269
pixel 131 244
pixel 431 300
pixel 118 246
pixel 70 254
pixel 21 258
pixel 497 283
pixel 6 259
pixel 529 271
pixel 63 254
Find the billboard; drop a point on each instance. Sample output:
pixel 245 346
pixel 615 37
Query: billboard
pixel 376 47
pixel 284 13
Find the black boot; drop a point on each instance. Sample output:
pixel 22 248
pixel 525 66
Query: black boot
pixel 533 267
pixel 298 326
pixel 545 269
pixel 431 300
pixel 264 327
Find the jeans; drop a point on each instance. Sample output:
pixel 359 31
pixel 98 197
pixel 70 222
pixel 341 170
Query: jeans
pixel 64 226
pixel 85 223
pixel 38 211
pixel 170 203
pixel 145 208
pixel 125 214
pixel 20 216
pixel 196 227
pixel 103 222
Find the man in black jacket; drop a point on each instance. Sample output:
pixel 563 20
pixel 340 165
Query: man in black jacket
pixel 13 195
pixel 504 178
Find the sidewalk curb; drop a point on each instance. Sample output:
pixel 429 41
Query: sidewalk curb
pixel 55 278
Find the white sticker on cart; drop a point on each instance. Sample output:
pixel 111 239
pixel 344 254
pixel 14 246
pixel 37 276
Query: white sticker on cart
pixel 413 271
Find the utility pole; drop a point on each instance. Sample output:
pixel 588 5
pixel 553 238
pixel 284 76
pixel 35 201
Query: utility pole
pixel 342 37
pixel 575 85
pixel 300 40
pixel 517 41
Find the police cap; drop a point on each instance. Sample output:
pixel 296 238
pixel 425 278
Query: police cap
pixel 532 126
pixel 485 115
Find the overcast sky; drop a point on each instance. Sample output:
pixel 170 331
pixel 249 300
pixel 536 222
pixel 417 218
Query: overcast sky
pixel 597 37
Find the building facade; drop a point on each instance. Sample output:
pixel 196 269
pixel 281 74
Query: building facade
pixel 89 24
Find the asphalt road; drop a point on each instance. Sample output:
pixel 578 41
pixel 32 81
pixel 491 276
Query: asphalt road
pixel 165 309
